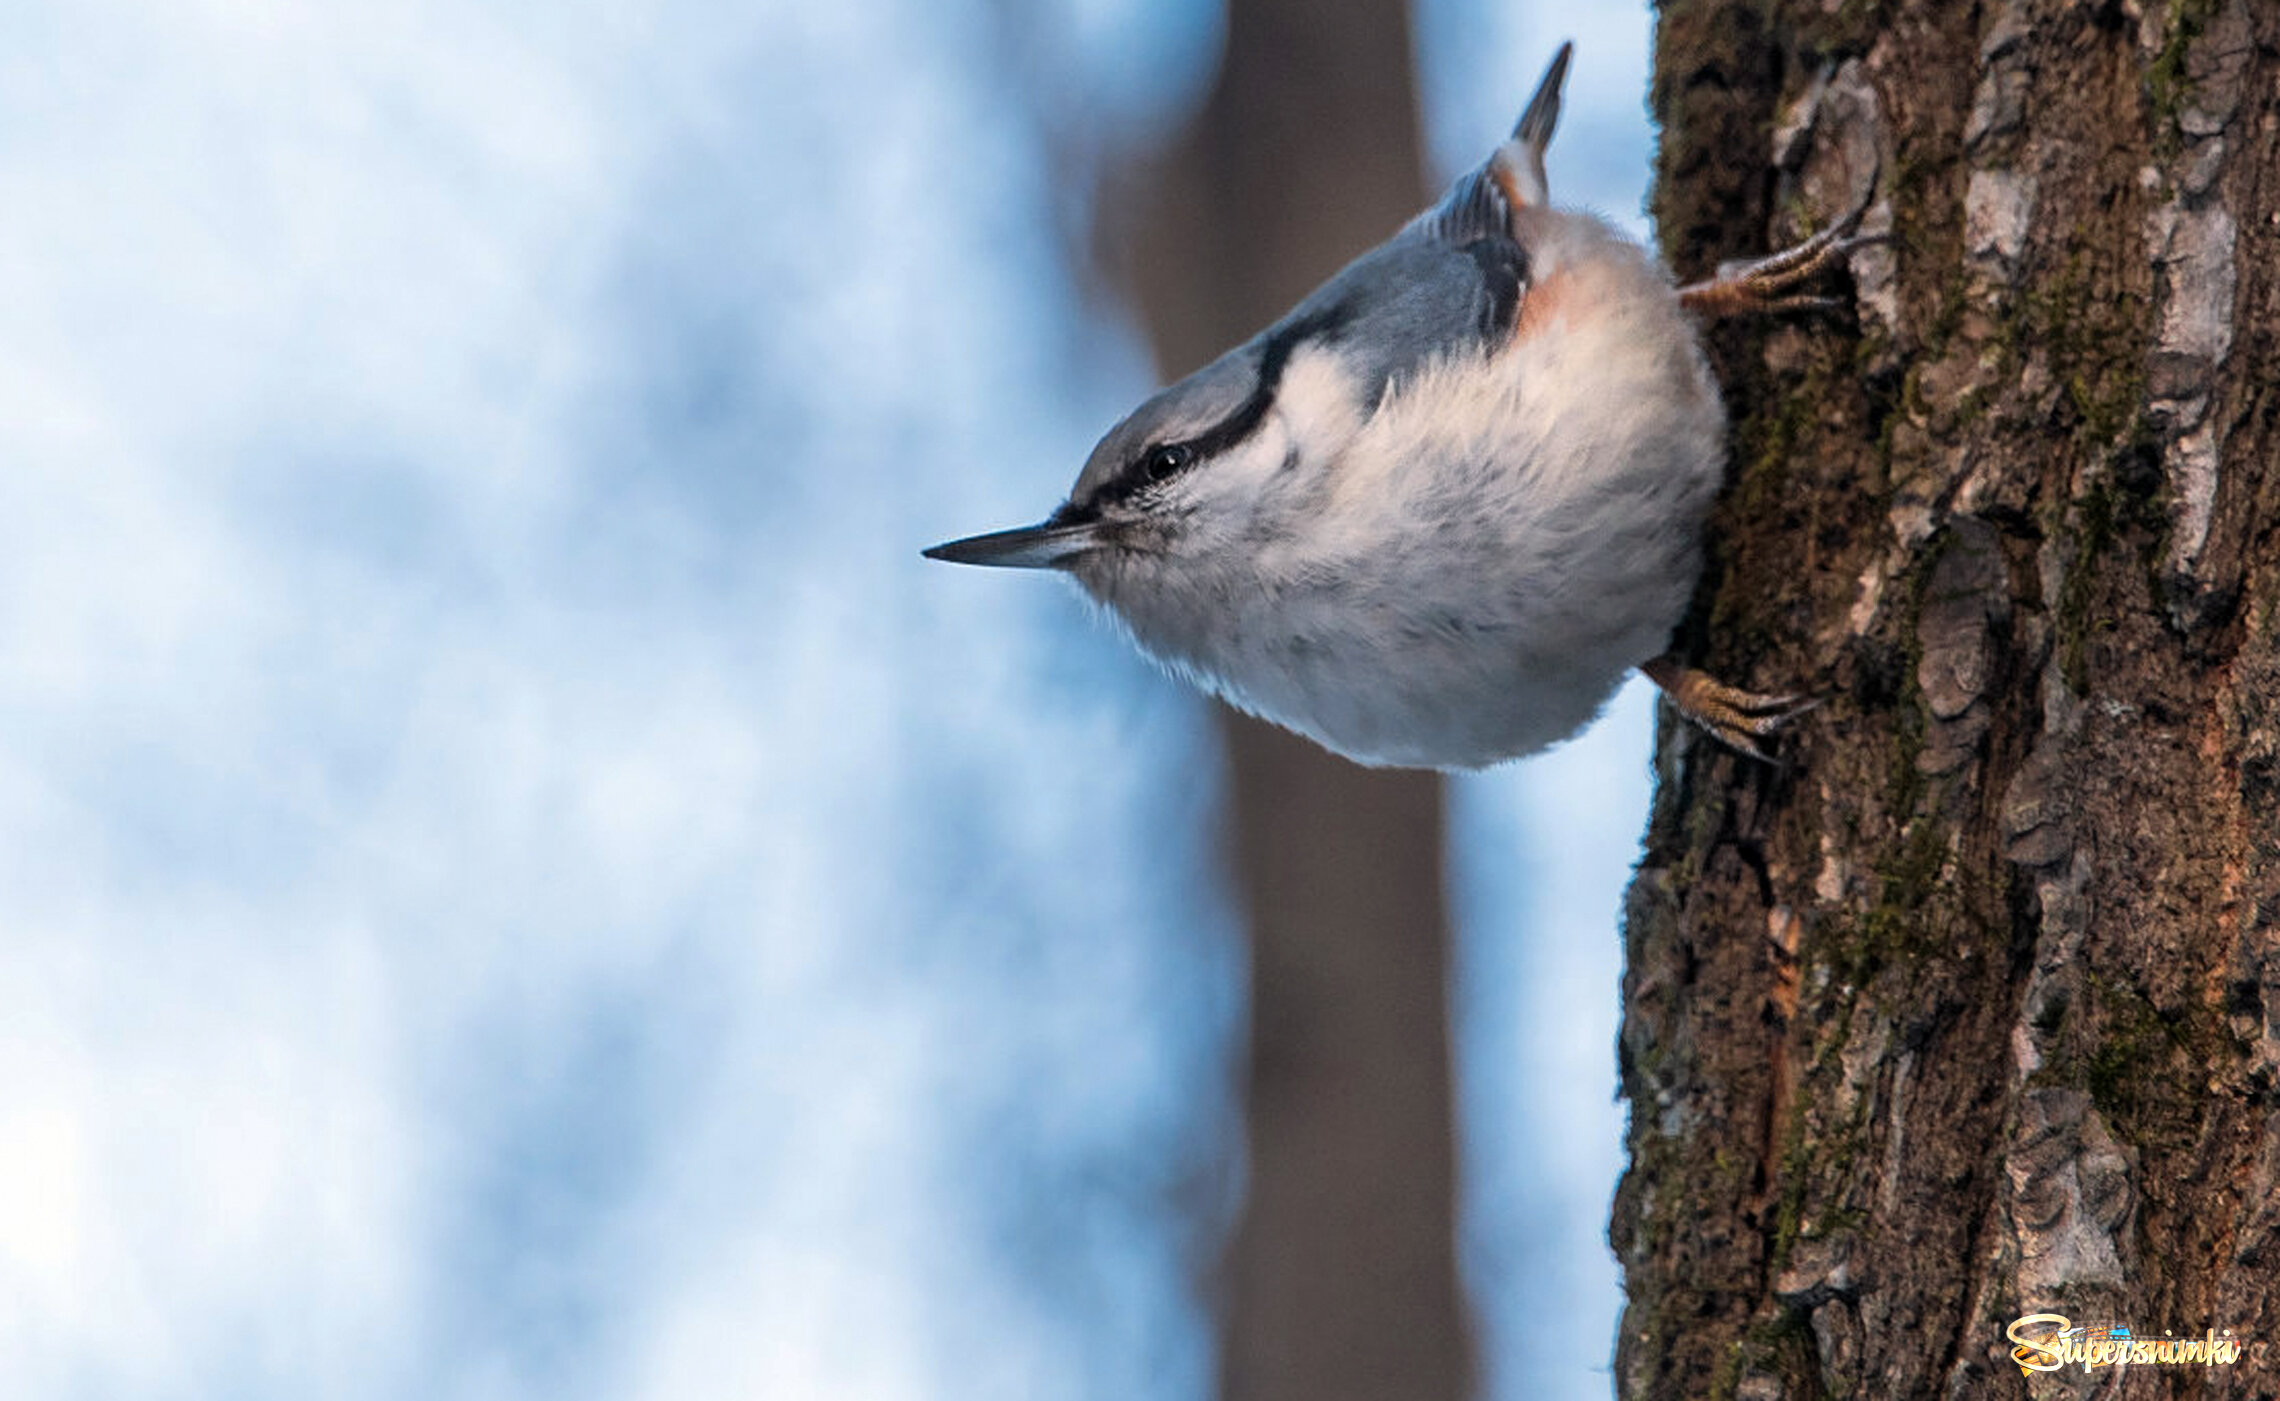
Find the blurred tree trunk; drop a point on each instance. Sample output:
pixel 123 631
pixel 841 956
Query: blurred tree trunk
pixel 1341 1278
pixel 1975 1010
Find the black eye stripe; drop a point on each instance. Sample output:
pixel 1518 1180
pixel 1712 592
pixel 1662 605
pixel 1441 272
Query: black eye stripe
pixel 1229 432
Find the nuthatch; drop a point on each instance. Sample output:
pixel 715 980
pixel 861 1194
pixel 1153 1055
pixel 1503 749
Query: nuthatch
pixel 1433 515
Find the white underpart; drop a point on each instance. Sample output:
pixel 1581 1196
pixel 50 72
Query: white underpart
pixel 1466 575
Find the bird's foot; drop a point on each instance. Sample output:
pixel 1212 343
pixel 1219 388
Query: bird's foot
pixel 1743 721
pixel 1769 285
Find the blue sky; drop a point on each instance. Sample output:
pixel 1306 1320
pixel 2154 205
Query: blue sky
pixel 517 880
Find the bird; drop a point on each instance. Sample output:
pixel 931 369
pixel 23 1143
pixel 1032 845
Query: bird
pixel 1434 515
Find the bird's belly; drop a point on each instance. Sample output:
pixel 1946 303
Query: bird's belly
pixel 1454 600
pixel 1476 646
pixel 1446 699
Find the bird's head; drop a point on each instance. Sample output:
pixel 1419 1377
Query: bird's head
pixel 1194 482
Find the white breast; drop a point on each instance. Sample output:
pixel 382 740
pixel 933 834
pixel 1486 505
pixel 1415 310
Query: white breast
pixel 1502 541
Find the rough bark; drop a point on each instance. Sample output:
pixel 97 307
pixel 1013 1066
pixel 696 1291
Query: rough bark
pixel 1974 1010
pixel 1340 1280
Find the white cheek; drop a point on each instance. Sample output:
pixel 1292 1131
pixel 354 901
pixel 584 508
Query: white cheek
pixel 1229 487
pixel 1317 406
pixel 1225 495
pixel 1251 486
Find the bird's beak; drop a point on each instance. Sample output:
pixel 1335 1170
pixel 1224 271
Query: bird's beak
pixel 1043 546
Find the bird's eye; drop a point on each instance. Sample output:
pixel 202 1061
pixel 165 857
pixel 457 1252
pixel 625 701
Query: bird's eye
pixel 1168 460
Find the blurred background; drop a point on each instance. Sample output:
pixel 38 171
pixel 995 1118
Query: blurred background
pixel 515 879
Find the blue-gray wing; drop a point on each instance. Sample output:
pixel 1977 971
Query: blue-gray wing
pixel 1449 284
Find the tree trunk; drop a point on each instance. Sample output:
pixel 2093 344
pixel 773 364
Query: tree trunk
pixel 1341 1279
pixel 1973 1011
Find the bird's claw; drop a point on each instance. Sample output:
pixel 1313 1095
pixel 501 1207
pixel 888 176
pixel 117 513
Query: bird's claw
pixel 1744 721
pixel 1768 284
